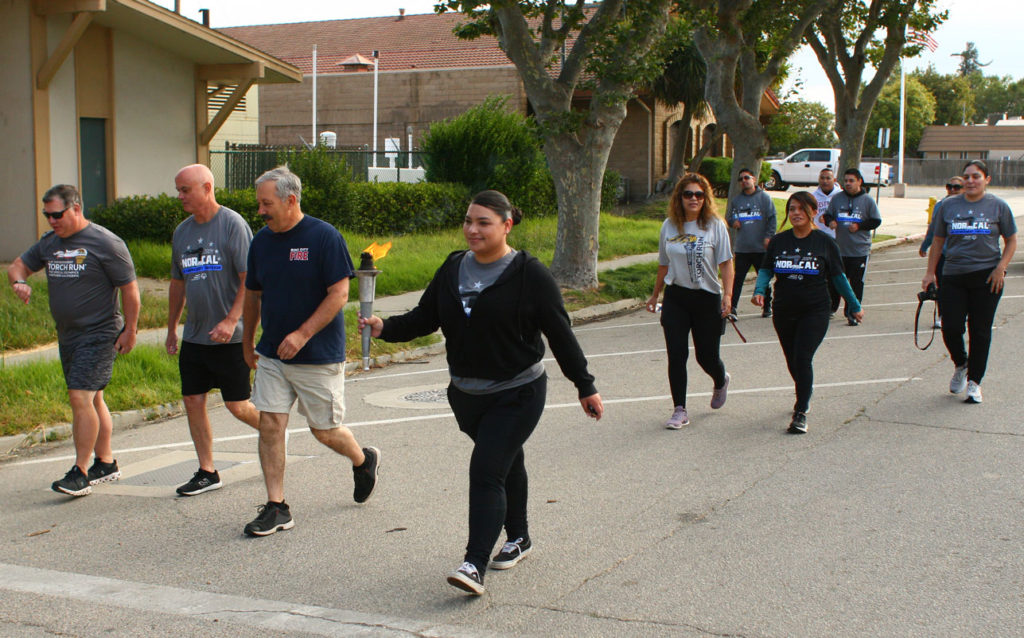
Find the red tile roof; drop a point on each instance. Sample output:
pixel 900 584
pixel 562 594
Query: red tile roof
pixel 412 42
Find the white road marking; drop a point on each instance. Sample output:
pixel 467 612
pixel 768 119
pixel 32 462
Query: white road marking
pixel 208 605
pixel 449 415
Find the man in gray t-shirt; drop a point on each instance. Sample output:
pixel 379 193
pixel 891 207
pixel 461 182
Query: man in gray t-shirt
pixel 752 214
pixel 208 264
pixel 86 265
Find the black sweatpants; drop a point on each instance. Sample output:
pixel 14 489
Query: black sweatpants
pixel 684 310
pixel 499 424
pixel 856 269
pixel 800 334
pixel 744 261
pixel 968 299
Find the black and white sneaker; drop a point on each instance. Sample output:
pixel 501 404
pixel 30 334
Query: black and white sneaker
pixel 201 481
pixel 365 475
pixel 101 472
pixel 272 517
pixel 467 578
pixel 511 553
pixel 799 423
pixel 74 483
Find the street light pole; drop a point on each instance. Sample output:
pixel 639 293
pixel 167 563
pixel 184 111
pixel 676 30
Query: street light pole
pixel 376 65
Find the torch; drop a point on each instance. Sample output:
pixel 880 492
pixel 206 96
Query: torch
pixel 366 275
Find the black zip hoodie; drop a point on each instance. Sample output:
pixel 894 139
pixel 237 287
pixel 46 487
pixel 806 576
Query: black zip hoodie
pixel 501 338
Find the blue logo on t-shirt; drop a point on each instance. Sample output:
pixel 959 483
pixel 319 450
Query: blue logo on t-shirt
pixel 969 226
pixel 799 264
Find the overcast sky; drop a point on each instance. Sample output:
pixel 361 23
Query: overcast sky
pixel 990 24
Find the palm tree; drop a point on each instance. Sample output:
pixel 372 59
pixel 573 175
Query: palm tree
pixel 682 82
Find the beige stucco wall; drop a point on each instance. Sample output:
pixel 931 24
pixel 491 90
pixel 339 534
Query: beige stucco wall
pixel 17 179
pixel 154 116
pixel 63 113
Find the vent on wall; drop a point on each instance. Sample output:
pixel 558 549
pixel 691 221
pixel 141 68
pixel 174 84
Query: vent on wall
pixel 217 95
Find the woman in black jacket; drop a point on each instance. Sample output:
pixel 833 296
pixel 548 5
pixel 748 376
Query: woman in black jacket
pixel 492 303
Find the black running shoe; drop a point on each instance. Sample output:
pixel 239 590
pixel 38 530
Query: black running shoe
pixel 511 553
pixel 272 517
pixel 365 475
pixel 467 578
pixel 74 483
pixel 799 423
pixel 201 481
pixel 101 472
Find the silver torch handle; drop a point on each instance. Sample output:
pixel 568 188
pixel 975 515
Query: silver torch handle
pixel 366 310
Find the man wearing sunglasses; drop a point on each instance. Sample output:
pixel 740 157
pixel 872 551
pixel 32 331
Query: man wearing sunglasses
pixel 86 265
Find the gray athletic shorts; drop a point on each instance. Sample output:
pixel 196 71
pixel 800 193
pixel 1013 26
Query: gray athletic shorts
pixel 88 365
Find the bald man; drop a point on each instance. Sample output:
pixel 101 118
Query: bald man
pixel 208 262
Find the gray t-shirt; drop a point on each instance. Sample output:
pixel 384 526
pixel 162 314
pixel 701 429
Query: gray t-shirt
pixel 693 256
pixel 756 215
pixel 84 272
pixel 848 210
pixel 474 278
pixel 210 258
pixel 972 231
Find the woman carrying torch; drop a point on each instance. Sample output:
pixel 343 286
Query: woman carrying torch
pixel 492 303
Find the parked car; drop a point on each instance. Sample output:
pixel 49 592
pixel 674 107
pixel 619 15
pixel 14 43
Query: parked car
pixel 802 168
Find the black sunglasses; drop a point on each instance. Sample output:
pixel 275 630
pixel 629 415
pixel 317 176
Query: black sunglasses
pixel 693 194
pixel 954 187
pixel 56 215
pixel 744 177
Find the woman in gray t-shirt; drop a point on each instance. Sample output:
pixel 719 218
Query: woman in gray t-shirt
pixel 969 226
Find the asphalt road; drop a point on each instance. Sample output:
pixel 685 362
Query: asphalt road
pixel 898 514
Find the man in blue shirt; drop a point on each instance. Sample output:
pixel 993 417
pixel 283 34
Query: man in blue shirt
pixel 296 284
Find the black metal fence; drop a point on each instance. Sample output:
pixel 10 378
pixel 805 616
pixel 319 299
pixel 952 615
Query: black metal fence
pixel 935 172
pixel 238 165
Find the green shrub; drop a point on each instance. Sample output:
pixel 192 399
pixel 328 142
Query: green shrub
pixel 391 207
pixel 718 171
pixel 325 178
pixel 141 217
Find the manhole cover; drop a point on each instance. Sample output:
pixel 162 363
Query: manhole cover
pixel 424 397
pixel 436 395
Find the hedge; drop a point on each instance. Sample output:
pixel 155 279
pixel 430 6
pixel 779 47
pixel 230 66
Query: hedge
pixel 718 171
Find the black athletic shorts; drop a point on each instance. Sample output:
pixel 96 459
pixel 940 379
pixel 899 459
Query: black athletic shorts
pixel 205 367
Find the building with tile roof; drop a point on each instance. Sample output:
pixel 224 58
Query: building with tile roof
pixel 425 74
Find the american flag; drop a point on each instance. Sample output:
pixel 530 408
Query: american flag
pixel 923 38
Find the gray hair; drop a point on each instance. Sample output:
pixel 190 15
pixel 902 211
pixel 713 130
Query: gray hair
pixel 64 192
pixel 288 183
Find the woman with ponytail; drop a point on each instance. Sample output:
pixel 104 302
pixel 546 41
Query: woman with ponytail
pixel 492 303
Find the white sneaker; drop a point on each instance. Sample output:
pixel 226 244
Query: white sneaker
pixel 973 393
pixel 959 381
pixel 678 419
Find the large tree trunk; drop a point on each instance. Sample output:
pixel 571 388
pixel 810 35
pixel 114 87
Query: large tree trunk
pixel 851 138
pixel 679 142
pixel 578 170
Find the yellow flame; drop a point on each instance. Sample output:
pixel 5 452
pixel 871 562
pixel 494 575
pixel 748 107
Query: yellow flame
pixel 377 251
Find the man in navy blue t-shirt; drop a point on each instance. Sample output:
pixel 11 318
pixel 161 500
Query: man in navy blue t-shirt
pixel 296 285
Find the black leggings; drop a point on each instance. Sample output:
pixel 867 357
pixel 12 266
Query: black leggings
pixel 499 425
pixel 683 310
pixel 800 334
pixel 744 261
pixel 968 299
pixel 855 268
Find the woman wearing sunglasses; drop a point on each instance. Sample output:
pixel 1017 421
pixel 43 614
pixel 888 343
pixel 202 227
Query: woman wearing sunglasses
pixel 954 186
pixel 967 228
pixel 692 248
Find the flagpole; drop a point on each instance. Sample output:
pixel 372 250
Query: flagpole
pixel 903 108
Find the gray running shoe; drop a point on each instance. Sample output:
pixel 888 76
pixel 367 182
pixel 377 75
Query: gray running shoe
pixel 973 393
pixel 678 419
pixel 718 394
pixel 959 381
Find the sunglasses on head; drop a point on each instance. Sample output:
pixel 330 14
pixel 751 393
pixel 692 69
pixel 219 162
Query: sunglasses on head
pixel 693 194
pixel 954 187
pixel 56 215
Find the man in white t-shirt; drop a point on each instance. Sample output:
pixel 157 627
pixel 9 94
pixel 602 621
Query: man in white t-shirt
pixel 827 189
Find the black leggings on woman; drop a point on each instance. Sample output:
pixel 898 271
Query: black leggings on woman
pixel 684 310
pixel 499 425
pixel 968 299
pixel 800 334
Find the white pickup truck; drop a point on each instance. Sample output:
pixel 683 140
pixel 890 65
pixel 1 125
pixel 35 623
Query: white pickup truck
pixel 802 168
